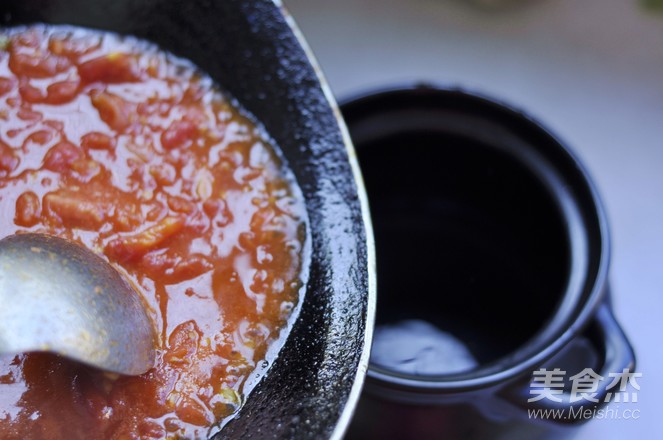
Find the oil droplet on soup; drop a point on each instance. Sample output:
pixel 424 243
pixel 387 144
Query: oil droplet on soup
pixel 134 153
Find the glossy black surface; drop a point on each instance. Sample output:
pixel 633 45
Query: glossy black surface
pixel 249 48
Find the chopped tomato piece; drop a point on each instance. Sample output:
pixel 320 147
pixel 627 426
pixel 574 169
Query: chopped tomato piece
pixel 183 341
pixel 73 47
pixel 85 169
pixel 29 115
pixel 97 141
pixel 27 209
pixel 195 266
pixel 8 159
pixel 172 267
pixel 30 93
pixel 75 209
pixel 37 65
pixel 27 39
pixel 55 125
pixel 130 247
pixel 112 68
pixel 180 204
pixel 6 84
pixel 151 430
pixel 57 93
pixel 191 411
pixel 40 137
pixel 165 174
pixel 179 134
pixel 61 92
pixel 60 157
pixel 113 110
pixel 217 209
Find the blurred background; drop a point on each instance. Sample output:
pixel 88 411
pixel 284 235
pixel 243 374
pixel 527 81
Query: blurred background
pixel 591 71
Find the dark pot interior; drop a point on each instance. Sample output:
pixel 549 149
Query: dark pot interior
pixel 250 49
pixel 488 252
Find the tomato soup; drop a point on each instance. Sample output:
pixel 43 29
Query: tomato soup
pixel 132 152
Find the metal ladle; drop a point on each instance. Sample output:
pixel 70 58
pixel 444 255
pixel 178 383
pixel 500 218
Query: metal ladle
pixel 57 296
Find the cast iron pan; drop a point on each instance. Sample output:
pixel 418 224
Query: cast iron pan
pixel 253 51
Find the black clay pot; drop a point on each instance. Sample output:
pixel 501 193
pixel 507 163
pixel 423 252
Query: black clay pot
pixel 489 229
pixel 253 51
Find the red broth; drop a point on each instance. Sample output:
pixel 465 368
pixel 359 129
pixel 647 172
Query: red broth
pixel 134 153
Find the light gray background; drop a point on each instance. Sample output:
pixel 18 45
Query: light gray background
pixel 590 70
